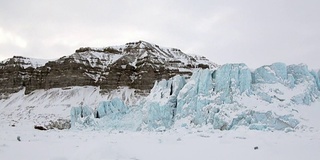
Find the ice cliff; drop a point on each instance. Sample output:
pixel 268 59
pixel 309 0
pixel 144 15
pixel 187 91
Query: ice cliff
pixel 227 98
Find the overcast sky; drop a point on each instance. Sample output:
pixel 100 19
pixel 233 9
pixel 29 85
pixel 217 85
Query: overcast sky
pixel 255 32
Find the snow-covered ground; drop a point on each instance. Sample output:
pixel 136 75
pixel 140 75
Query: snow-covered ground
pixel 192 144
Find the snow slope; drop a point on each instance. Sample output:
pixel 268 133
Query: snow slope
pixel 42 106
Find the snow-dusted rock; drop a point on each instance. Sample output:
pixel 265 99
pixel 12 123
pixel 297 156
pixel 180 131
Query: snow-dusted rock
pixel 136 65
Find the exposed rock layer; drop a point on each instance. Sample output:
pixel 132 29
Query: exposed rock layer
pixel 137 65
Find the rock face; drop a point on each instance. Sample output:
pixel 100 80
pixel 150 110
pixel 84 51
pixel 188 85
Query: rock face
pixel 15 73
pixel 137 65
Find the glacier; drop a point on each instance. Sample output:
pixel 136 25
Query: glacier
pixel 225 98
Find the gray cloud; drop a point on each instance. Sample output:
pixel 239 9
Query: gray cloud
pixel 247 31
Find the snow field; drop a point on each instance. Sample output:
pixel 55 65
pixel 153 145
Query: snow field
pixel 172 145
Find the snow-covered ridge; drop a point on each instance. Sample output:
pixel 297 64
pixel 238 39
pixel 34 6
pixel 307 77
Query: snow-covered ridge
pixel 95 59
pixel 102 57
pixel 165 54
pixel 105 56
pixel 24 62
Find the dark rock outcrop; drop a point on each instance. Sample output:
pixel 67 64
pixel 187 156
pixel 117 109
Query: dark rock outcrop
pixel 57 124
pixel 136 64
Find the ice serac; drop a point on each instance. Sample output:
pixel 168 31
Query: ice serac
pixel 271 74
pixel 114 109
pixel 195 96
pixel 232 79
pixel 319 78
pixel 114 114
pixel 293 76
pixel 256 120
pixel 302 77
pixel 316 77
pixel 161 104
pixel 275 73
pixel 81 116
pixel 300 73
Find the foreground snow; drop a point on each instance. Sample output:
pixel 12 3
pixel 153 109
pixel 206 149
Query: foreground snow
pixel 175 144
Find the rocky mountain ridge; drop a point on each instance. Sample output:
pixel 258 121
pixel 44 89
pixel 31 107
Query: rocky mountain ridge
pixel 136 64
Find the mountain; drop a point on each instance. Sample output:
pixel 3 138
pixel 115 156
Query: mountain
pixel 141 86
pixel 136 64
